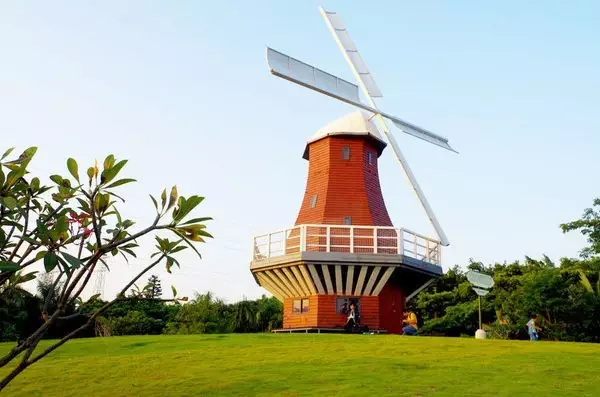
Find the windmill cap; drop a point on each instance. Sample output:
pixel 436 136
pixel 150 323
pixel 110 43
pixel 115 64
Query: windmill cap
pixel 355 124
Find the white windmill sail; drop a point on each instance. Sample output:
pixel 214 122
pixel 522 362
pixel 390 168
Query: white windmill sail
pixel 316 79
pixel 296 71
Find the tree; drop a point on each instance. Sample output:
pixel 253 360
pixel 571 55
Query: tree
pixel 203 315
pixel 73 226
pixel 588 225
pixel 154 287
pixel 13 305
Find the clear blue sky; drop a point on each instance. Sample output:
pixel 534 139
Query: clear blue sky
pixel 182 90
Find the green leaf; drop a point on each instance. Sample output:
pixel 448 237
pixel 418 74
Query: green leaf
pixel 109 161
pixel 121 182
pixel 7 266
pixel 2 177
pixel 174 291
pixel 130 245
pixel 64 265
pixel 14 176
pixel 50 261
pixel 177 232
pixel 105 264
pixel 172 197
pixel 163 198
pixel 27 277
pixel 73 261
pixel 7 153
pixel 187 206
pixel 116 195
pixel 26 156
pixel 177 249
pixel 84 205
pixel 9 202
pixel 130 252
pixel 40 255
pixel 12 223
pixel 35 184
pixel 56 179
pixel 62 224
pixel 90 173
pixel 102 202
pixel 197 220
pixel 109 173
pixel 154 201
pixel 73 168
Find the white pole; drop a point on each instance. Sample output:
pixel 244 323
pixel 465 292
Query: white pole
pixel 480 312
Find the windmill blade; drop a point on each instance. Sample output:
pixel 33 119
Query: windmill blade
pixel 358 66
pixel 368 86
pixel 284 66
pixel 296 71
pixel 420 133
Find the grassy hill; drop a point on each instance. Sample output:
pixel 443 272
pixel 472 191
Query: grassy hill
pixel 316 365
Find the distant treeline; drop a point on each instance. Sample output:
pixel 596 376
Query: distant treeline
pixel 21 313
pixel 565 298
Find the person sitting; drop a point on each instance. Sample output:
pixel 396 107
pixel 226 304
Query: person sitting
pixel 411 320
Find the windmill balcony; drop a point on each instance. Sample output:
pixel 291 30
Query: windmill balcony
pixel 346 243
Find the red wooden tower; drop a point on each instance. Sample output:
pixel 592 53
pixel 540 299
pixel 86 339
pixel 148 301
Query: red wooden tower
pixel 344 248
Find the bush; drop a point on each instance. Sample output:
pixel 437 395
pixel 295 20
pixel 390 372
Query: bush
pixel 134 323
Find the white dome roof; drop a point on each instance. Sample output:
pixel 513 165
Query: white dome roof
pixel 355 123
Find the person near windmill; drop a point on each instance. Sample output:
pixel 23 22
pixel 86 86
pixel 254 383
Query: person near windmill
pixel 410 318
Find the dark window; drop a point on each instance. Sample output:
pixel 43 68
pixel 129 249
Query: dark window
pixel 300 306
pixel 346 153
pixel 347 220
pixel 343 305
pixel 370 157
pixel 313 201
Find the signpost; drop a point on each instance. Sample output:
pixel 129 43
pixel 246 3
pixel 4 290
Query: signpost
pixel 481 284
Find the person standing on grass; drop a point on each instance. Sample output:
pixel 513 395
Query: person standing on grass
pixel 351 322
pixel 532 328
pixel 410 318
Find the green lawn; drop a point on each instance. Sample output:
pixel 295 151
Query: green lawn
pixel 316 365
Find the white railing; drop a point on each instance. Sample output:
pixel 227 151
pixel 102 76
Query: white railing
pixel 352 239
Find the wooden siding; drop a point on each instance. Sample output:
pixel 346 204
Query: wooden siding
pixel 322 313
pixel 343 187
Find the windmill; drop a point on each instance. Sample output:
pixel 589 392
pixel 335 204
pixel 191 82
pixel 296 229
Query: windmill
pixel 286 67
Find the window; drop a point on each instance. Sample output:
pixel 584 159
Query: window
pixel 343 305
pixel 370 157
pixel 346 153
pixel 347 220
pixel 296 306
pixel 300 306
pixel 313 201
pixel 304 304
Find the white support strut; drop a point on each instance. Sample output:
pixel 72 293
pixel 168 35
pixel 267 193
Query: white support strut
pixel 367 85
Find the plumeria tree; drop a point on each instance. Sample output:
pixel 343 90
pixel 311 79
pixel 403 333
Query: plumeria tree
pixel 72 226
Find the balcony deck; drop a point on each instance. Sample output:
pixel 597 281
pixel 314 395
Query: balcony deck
pixel 336 244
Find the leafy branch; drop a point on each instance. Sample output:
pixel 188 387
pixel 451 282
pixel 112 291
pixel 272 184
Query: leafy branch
pixel 75 230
